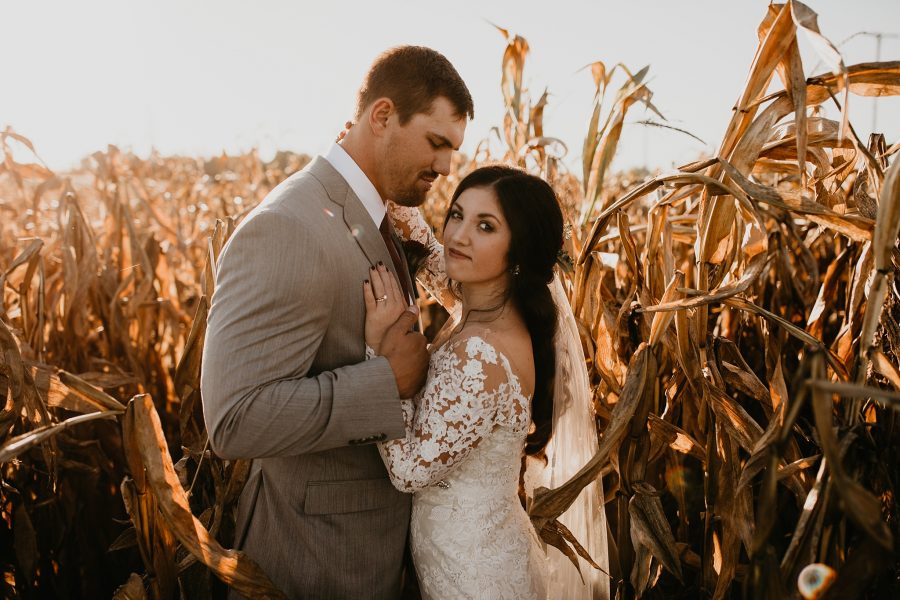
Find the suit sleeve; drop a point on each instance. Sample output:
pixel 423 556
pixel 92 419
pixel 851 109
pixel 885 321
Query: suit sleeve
pixel 269 314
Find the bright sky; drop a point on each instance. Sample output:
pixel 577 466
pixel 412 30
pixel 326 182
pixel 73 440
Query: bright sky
pixel 204 76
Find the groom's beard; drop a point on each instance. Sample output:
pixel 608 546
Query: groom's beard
pixel 413 193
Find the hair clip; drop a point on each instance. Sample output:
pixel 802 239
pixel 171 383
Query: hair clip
pixel 565 261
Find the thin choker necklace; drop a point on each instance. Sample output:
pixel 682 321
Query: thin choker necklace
pixel 488 312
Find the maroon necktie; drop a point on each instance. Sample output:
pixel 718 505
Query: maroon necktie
pixel 393 246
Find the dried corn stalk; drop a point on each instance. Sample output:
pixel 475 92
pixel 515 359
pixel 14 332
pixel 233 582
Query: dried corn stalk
pixel 739 315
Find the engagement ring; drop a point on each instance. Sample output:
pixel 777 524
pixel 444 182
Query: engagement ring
pixel 382 299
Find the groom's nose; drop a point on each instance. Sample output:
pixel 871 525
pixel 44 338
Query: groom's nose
pixel 441 162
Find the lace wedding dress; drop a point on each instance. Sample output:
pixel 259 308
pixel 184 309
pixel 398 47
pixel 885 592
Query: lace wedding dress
pixel 462 454
pixel 462 457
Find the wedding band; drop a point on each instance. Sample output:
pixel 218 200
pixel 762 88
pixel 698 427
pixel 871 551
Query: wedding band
pixel 382 299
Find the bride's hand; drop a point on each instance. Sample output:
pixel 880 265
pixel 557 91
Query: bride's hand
pixel 385 302
pixel 343 133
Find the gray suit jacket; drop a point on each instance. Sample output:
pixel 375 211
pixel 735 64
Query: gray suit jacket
pixel 285 382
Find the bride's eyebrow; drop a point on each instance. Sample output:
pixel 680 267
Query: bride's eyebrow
pixel 456 206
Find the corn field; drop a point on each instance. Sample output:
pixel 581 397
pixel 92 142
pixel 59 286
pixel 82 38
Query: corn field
pixel 739 317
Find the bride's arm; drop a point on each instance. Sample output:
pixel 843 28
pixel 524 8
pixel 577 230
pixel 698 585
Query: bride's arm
pixel 455 412
pixel 411 225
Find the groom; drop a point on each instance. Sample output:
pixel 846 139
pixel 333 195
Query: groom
pixel 285 381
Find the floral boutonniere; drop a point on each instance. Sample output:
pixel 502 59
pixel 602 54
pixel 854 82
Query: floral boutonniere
pixel 415 253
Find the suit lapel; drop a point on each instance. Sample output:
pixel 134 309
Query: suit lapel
pixel 357 219
pixel 363 230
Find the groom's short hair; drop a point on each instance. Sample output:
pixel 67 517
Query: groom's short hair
pixel 412 77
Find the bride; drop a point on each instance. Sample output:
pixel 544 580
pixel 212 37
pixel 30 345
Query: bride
pixel 490 392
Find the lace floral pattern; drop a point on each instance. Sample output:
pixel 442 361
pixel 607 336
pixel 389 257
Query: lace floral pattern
pixel 461 456
pixel 411 225
pixel 470 389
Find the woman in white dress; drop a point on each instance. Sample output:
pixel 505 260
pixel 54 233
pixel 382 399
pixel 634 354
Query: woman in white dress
pixel 488 397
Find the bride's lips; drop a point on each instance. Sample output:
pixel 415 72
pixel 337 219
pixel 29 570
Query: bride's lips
pixel 458 255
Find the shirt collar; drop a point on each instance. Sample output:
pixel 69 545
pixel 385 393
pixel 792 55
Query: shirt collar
pixel 358 182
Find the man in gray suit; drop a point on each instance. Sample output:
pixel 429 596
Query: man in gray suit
pixel 285 378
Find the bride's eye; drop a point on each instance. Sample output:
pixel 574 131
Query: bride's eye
pixel 456 215
pixel 485 226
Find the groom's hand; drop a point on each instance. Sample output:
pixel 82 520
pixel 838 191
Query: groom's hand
pixel 407 354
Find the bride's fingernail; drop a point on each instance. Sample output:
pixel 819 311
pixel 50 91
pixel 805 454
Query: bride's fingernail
pixel 366 282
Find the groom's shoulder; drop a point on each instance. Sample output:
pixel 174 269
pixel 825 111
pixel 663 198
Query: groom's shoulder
pixel 300 207
pixel 311 187
pixel 301 186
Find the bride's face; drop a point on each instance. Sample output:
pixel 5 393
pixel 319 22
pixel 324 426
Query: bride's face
pixel 476 238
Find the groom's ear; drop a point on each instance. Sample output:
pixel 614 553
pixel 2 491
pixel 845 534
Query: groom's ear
pixel 379 115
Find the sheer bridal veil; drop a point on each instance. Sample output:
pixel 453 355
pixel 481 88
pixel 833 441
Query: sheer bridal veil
pixel 572 445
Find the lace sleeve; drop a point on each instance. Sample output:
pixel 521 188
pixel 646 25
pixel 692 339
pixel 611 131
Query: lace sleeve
pixel 411 225
pixel 459 406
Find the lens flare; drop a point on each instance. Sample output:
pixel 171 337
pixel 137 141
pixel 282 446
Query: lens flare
pixel 814 580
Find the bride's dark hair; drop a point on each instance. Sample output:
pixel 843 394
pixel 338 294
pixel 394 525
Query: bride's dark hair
pixel 531 209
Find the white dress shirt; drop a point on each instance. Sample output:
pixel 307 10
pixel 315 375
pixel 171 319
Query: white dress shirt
pixel 359 183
